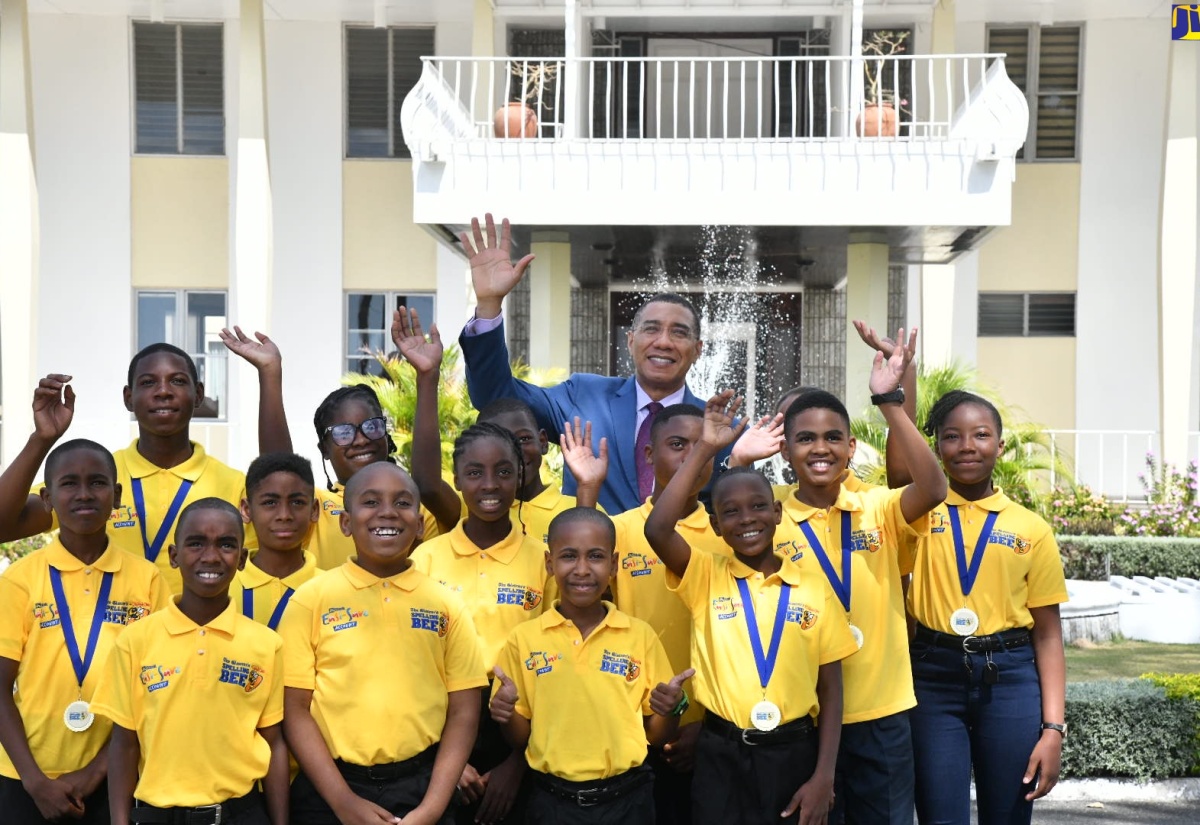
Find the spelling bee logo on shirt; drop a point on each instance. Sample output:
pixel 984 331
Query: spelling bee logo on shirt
pixel 157 677
pixel 620 664
pixel 124 613
pixel 342 618
pixel 1003 538
pixel 802 615
pixel 514 594
pixel 245 675
pixel 541 662
pixel 869 540
pixel 433 620
pixel 45 614
pixel 1185 22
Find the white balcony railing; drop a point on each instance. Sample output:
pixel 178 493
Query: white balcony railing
pixel 1112 461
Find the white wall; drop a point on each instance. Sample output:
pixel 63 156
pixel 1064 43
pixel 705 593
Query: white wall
pixel 81 97
pixel 1124 94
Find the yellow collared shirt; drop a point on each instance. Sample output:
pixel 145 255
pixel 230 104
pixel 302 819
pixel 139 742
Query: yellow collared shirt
pixel 877 681
pixel 31 633
pixel 381 657
pixel 601 684
pixel 850 483
pixel 815 632
pixel 195 696
pixel 640 584
pixel 1021 566
pixel 329 545
pixel 266 590
pixel 501 586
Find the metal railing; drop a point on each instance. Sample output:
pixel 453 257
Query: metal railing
pixel 811 98
pixel 1111 461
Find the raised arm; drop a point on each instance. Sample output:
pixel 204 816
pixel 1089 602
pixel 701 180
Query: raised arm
pixel 588 468
pixel 273 433
pixel 493 274
pixel 928 487
pixel 425 354
pixel 720 430
pixel 895 461
pixel 22 514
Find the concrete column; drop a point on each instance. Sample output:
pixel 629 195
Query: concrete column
pixel 453 288
pixel 250 280
pixel 18 230
pixel 866 299
pixel 941 41
pixel 483 44
pixel 550 301
pixel 1178 256
pixel 575 34
pixel 936 324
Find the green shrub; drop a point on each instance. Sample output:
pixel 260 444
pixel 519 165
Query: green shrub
pixel 1182 687
pixel 1081 512
pixel 1094 558
pixel 13 550
pixel 1127 728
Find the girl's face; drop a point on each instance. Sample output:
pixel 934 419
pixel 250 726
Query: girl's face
pixel 533 441
pixel 968 443
pixel 487 474
pixel 362 450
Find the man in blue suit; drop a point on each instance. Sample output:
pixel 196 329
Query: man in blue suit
pixel 664 343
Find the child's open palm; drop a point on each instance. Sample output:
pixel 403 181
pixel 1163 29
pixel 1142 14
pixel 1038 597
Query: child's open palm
pixel 720 428
pixel 53 406
pixel 576 443
pixel 887 372
pixel 425 354
pixel 261 352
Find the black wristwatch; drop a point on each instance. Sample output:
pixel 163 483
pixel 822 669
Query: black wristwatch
pixel 1055 726
pixel 896 396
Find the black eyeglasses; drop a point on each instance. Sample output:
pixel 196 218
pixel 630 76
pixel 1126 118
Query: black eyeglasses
pixel 343 434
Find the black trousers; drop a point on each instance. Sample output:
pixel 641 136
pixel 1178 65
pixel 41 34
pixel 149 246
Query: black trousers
pixel 16 805
pixel 490 750
pixel 398 796
pixel 740 784
pixel 636 807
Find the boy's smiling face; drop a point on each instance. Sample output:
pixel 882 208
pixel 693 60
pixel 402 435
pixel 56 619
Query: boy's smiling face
pixel 382 514
pixel 819 447
pixel 163 396
pixel 672 442
pixel 745 514
pixel 281 508
pixel 208 551
pixel 581 560
pixel 82 492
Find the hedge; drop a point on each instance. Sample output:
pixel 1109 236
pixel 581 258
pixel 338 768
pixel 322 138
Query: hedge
pixel 1094 558
pixel 1185 687
pixel 1128 727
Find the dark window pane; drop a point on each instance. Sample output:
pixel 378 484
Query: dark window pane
pixel 155 88
pixel 366 93
pixel 1052 314
pixel 203 90
pixel 408 47
pixel 365 310
pixel 156 319
pixel 1058 59
pixel 205 320
pixel 1002 313
pixel 423 304
pixel 1057 119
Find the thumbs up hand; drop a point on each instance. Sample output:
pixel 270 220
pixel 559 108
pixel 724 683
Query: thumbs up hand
pixel 505 699
pixel 665 697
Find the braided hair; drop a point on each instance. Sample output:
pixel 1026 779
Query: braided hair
pixel 327 411
pixel 951 401
pixel 486 429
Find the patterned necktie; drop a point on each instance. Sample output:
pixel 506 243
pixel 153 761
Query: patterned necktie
pixel 645 469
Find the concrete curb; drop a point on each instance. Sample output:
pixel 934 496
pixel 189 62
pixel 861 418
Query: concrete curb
pixel 1126 790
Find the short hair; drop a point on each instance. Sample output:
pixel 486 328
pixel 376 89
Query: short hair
pixel 60 453
pixel 669 298
pixel 581 515
pixel 359 479
pixel 740 472
pixel 153 349
pixel 673 411
pixel 507 406
pixel 793 393
pixel 952 400
pixel 270 463
pixel 815 400
pixel 210 503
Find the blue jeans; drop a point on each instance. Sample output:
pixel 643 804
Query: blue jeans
pixel 961 723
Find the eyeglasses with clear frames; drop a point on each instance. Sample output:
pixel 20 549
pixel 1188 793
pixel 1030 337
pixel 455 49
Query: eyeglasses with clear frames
pixel 343 434
pixel 653 329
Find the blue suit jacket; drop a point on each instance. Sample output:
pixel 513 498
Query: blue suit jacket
pixel 609 403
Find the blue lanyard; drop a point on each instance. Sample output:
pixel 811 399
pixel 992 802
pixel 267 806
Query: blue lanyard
pixel 764 662
pixel 840 586
pixel 276 616
pixel 153 549
pixel 966 575
pixel 84 663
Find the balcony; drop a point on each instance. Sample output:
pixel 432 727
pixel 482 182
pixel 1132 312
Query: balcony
pixel 766 141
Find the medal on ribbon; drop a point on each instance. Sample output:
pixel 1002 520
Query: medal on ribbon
pixel 765 716
pixel 965 621
pixel 153 548
pixel 78 716
pixel 841 586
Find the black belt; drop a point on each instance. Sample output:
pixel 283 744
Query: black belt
pixel 1005 640
pixel 226 811
pixel 795 731
pixel 596 791
pixel 389 771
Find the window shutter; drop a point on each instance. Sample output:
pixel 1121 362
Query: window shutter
pixel 203 90
pixel 155 88
pixel 1052 313
pixel 1002 313
pixel 408 46
pixel 367 93
pixel 1058 92
pixel 1015 44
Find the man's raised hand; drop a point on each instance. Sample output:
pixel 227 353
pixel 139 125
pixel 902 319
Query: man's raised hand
pixel 505 701
pixel 424 354
pixel 53 406
pixel 665 697
pixel 493 273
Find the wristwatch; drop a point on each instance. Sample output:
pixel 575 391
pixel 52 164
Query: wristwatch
pixel 1055 726
pixel 896 396
pixel 681 706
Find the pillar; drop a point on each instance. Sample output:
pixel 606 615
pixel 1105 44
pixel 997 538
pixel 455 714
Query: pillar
pixel 453 291
pixel 483 44
pixel 18 231
pixel 867 300
pixel 1178 258
pixel 250 280
pixel 550 301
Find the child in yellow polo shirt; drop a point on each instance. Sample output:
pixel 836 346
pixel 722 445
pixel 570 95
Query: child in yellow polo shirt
pixel 986 587
pixel 280 504
pixel 767 647
pixel 61 609
pixel 584 687
pixel 162 471
pixel 195 694
pixel 383 672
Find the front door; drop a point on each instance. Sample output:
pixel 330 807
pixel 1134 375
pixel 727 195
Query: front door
pixel 727 94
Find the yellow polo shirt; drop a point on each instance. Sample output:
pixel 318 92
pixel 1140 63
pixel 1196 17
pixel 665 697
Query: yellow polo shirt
pixel 876 682
pixel 501 586
pixel 196 696
pixel 850 483
pixel 640 585
pixel 601 684
pixel 31 633
pixel 326 541
pixel 1021 566
pixel 815 632
pixel 381 657
pixel 266 591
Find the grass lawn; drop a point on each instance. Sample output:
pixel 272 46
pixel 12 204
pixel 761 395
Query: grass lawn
pixel 1126 658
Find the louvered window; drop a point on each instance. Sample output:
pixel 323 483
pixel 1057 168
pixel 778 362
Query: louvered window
pixel 1044 61
pixel 382 66
pixel 1026 314
pixel 179 78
